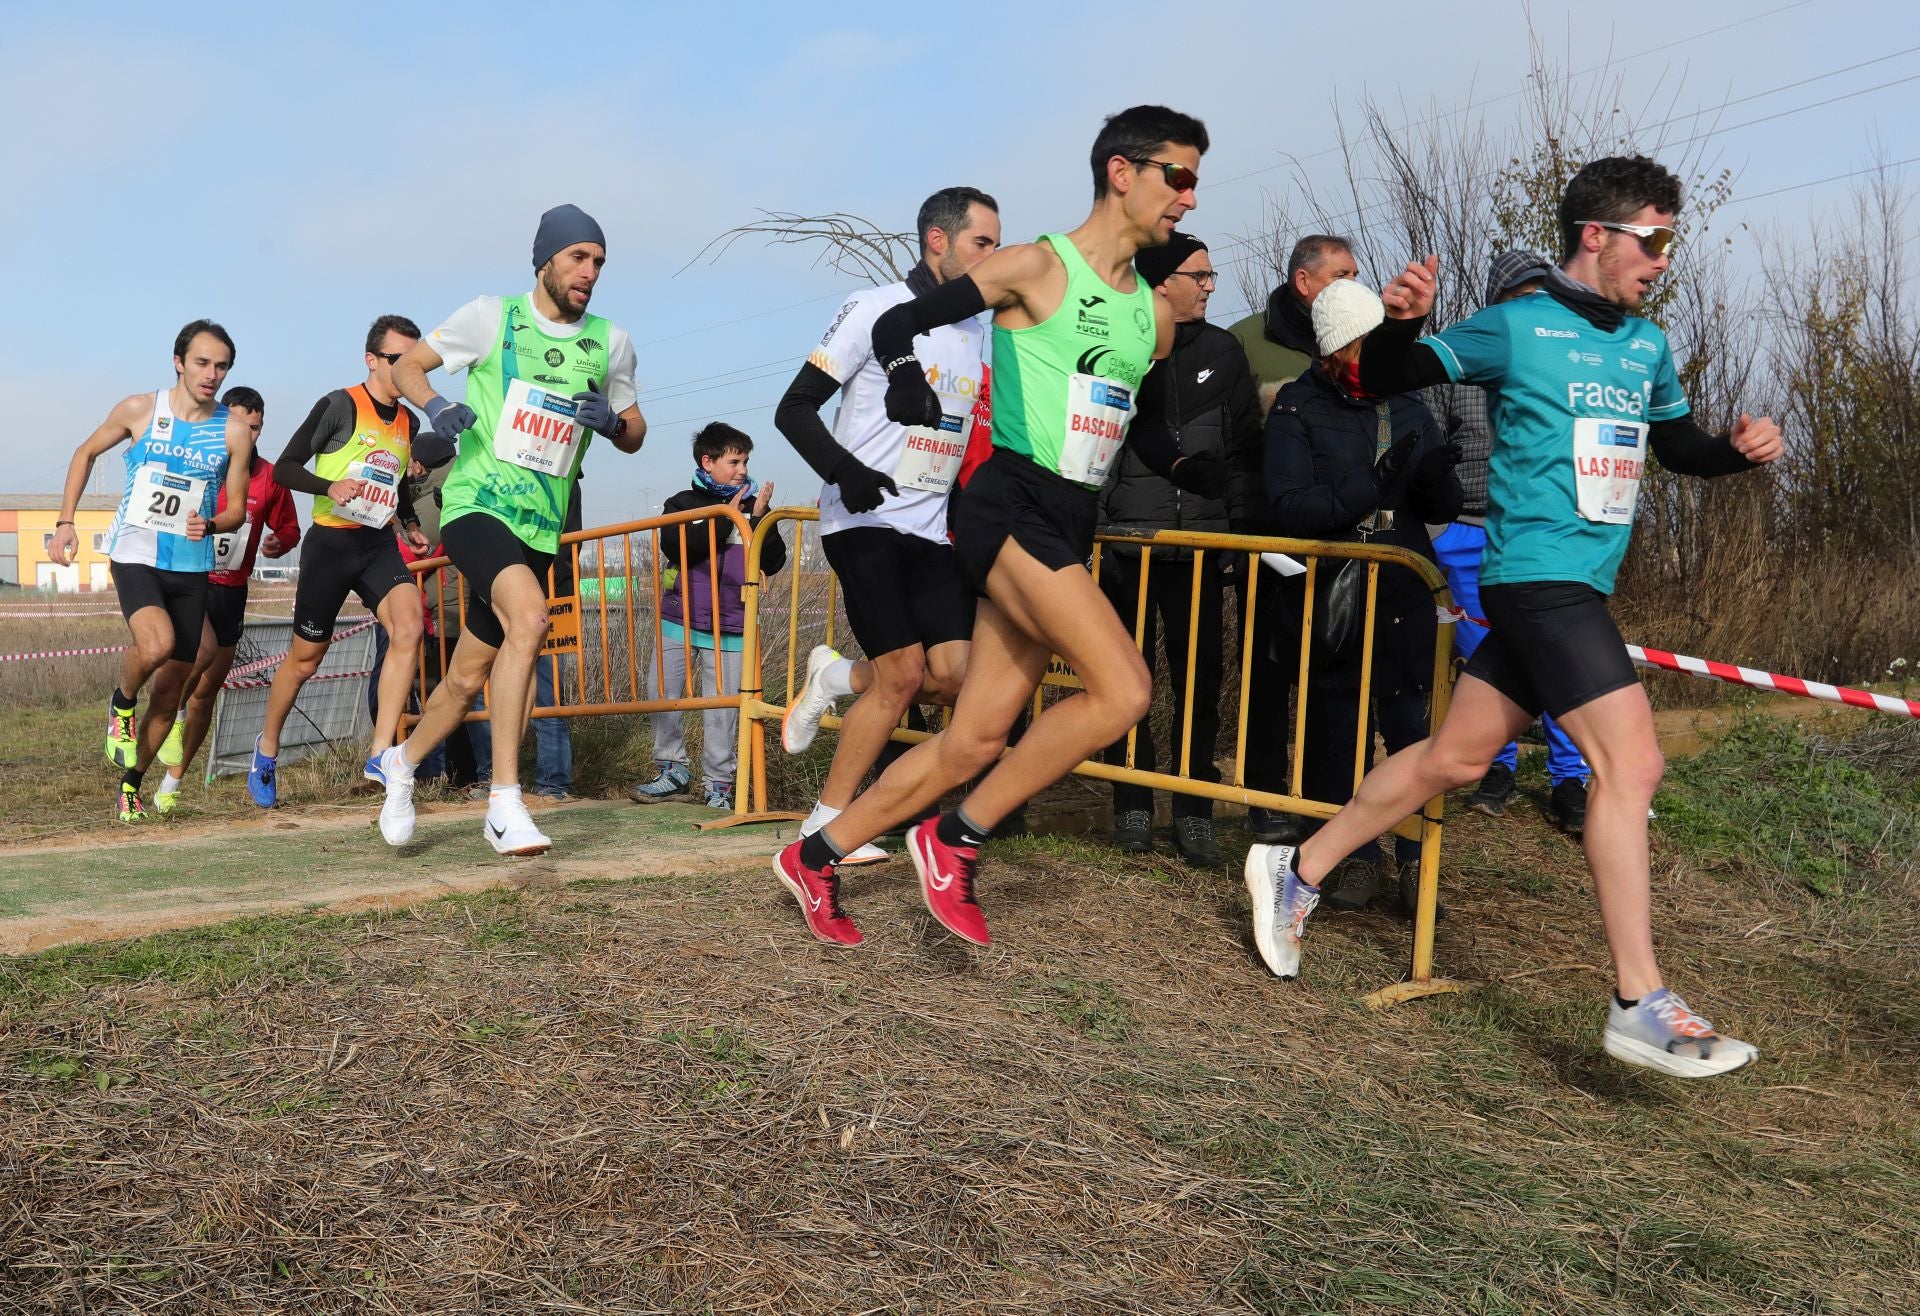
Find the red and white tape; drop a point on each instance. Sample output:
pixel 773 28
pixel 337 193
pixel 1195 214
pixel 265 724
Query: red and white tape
pixel 1734 674
pixel 60 653
pixel 273 659
pixel 256 683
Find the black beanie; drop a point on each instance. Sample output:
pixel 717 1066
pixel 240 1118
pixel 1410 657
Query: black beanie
pixel 1156 263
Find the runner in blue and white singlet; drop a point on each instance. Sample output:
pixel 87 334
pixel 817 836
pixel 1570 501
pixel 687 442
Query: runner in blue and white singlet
pixel 185 448
pixel 175 468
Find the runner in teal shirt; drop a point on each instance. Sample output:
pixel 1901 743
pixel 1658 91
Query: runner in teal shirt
pixel 1582 392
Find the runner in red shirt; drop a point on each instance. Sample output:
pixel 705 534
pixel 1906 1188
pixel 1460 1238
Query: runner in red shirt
pixel 272 527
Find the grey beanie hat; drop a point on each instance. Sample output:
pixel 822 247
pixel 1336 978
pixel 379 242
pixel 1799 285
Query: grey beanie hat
pixel 560 228
pixel 1512 268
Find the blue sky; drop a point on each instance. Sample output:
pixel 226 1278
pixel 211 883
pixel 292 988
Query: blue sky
pixel 293 172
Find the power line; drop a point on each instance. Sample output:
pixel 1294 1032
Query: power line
pixel 1799 109
pixel 1463 109
pixel 1830 178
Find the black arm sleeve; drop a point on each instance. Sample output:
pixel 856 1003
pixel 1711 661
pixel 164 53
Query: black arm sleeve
pixel 1393 360
pixel 953 301
pixel 322 424
pixel 1685 449
pixel 798 418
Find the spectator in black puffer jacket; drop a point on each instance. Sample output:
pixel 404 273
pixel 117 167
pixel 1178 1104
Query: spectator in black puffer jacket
pixel 1345 466
pixel 1215 408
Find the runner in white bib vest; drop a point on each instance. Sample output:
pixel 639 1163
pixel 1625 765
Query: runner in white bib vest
pixel 883 509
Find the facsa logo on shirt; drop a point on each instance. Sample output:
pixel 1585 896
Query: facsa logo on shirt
pixel 1591 395
pixel 1541 331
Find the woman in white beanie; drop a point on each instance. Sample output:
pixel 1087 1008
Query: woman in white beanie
pixel 1343 465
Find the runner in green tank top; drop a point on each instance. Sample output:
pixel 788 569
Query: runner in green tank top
pixel 544 377
pixel 1075 332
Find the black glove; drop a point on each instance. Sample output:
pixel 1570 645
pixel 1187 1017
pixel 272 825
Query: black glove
pixel 910 398
pixel 596 412
pixel 1391 466
pixel 1429 474
pixel 1203 473
pixel 861 485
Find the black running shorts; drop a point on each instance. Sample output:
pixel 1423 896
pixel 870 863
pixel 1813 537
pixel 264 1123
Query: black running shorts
pixel 227 612
pixel 482 547
pixel 1011 498
pixel 336 561
pixel 900 590
pixel 1553 646
pixel 182 595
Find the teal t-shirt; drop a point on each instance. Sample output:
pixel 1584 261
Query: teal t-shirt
pixel 1571 404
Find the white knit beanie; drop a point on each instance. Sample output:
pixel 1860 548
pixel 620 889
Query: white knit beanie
pixel 1345 310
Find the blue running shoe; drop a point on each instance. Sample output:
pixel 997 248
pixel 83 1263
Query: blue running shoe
pixel 1281 903
pixel 371 771
pixel 263 782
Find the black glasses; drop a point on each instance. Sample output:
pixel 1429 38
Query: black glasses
pixel 1201 278
pixel 1655 239
pixel 1178 176
pixel 391 358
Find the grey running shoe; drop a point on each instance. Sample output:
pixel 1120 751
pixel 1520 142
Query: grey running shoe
pixel 1133 831
pixel 1494 792
pixel 1659 1032
pixel 674 779
pixel 1352 885
pixel 1194 839
pixel 1410 891
pixel 1281 903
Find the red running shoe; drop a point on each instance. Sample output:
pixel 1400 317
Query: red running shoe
pixel 946 882
pixel 818 891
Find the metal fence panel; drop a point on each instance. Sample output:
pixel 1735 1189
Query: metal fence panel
pixel 332 707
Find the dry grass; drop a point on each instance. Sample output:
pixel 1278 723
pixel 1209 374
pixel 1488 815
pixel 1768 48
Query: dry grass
pixel 654 1096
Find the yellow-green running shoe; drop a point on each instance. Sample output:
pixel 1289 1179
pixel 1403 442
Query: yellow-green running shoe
pixel 121 746
pixel 131 810
pixel 176 741
pixel 166 801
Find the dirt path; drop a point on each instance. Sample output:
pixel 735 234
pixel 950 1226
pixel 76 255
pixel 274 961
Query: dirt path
pixel 329 860
pixel 334 862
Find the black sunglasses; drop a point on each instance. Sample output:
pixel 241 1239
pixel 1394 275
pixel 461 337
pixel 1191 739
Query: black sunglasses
pixel 1178 176
pixel 391 358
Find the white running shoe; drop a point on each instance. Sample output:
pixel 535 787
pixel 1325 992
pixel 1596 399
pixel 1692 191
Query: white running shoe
pixel 1281 903
pixel 396 811
pixel 862 855
pixel 802 722
pixel 510 829
pixel 1659 1032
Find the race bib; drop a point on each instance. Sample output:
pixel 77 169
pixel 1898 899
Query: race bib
pixel 1608 456
pixel 1098 413
pixel 536 429
pixel 230 549
pixel 162 501
pixel 930 457
pixel 379 496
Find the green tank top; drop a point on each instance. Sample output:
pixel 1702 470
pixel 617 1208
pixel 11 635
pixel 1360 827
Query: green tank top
pixel 518 461
pixel 1063 389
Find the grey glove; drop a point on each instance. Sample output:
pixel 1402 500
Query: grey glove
pixel 596 413
pixel 451 419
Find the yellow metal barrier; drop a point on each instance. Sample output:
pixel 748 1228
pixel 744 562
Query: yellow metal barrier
pixel 1425 827
pixel 626 573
